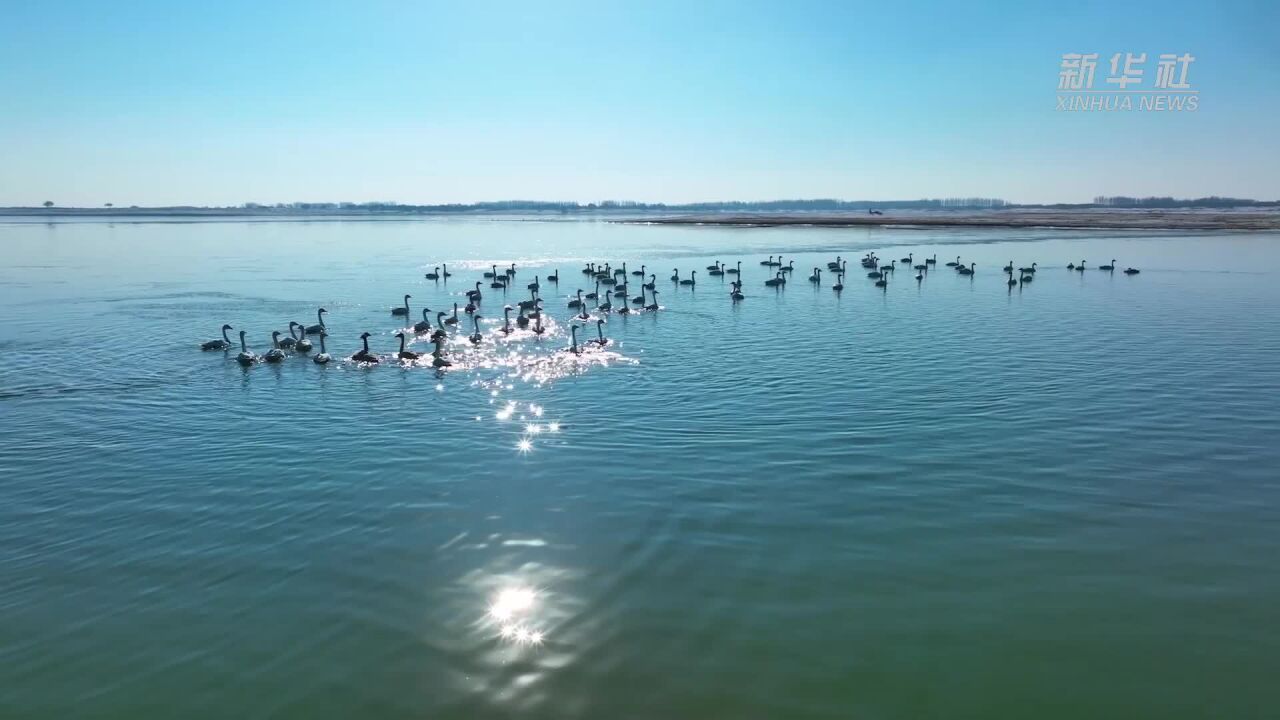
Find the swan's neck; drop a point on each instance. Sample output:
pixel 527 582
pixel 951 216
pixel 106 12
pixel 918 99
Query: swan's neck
pixel 225 339
pixel 366 343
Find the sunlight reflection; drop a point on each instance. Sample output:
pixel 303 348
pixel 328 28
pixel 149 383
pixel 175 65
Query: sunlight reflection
pixel 511 610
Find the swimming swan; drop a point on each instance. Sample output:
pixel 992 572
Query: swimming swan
pixel 223 344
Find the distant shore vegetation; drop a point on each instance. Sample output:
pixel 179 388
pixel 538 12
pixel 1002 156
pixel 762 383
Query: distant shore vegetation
pixel 821 205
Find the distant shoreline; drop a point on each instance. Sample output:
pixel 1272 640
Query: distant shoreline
pixel 1079 219
pixel 1094 218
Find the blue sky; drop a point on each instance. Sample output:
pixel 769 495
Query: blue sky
pixel 223 103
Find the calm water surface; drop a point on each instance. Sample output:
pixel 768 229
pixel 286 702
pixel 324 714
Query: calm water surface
pixel 936 499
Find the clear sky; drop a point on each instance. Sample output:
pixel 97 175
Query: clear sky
pixel 154 103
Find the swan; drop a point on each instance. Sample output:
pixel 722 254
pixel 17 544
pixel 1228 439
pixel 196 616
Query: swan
pixel 1109 268
pixel 920 276
pixel 470 307
pixel 402 310
pixel 1026 278
pixel 870 261
pixel 554 277
pixel 791 265
pixel 883 282
pixel 602 340
pixel 816 276
pixel 511 271
pixel 433 275
pixel 453 320
pixel 319 326
pixel 425 324
pixel 692 277
pixel 736 270
pixel 522 320
pixel 1131 271
pixel 920 266
pixel 594 293
pixel 475 294
pixel 717 271
pixel 839 283
pixel 493 271
pixel 876 274
pixel 675 274
pixel 774 281
pixel 578 301
pixel 887 268
pixel 499 283
pixel 573 331
pixel 1071 266
pixel 777 263
pixel 639 299
pixel 446 272
pixel 590 269
pixel 405 354
pixel 954 264
pixel 1080 267
pixel 768 262
pixel 440 323
pixel 1012 282
pixel 652 284
pixel 622 291
pixel 223 344
pixel 965 270
pixel 1008 268
pixel 537 325
pixel 275 354
pixel 622 270
pixel 506 320
pixel 364 355
pixel 713 267
pixel 653 306
pixel 834 265
pixel 437 355
pixel 304 345
pixel 290 342
pixel 932 261
pixel 607 279
pixel 909 259
pixel 638 273
pixel 1028 271
pixel 475 337
pixel 735 291
pixel 245 357
pixel 323 357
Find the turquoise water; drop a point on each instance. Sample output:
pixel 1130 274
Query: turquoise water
pixel 936 499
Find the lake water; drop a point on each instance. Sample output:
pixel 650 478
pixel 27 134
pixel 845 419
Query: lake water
pixel 944 498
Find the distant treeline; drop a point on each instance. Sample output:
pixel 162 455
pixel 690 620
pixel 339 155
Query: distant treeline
pixel 1122 201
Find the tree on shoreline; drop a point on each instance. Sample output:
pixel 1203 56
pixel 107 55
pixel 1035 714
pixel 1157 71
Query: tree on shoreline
pixel 48 203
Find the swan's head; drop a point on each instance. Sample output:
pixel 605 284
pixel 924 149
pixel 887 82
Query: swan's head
pixel 242 336
pixel 399 334
pixel 292 324
pixel 406 297
pixel 364 336
pixel 227 327
pixel 322 310
pixel 275 334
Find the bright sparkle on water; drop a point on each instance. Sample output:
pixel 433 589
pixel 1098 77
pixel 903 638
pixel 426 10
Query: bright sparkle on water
pixel 510 609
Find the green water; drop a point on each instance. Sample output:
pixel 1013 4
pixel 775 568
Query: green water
pixel 943 498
